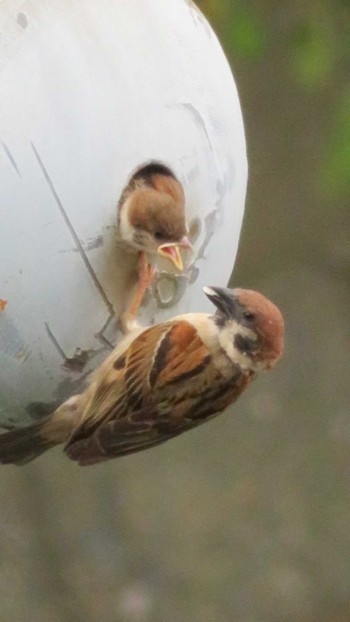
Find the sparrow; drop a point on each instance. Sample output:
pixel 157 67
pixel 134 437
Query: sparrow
pixel 151 220
pixel 161 381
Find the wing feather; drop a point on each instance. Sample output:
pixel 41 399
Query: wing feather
pixel 135 405
pixel 122 383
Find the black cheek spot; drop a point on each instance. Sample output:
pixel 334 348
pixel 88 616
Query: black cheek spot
pixel 245 344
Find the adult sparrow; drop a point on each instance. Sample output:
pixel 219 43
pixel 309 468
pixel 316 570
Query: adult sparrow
pixel 151 220
pixel 161 381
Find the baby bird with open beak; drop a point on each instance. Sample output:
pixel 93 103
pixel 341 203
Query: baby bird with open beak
pixel 161 381
pixel 151 219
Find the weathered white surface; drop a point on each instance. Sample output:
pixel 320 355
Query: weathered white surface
pixel 89 91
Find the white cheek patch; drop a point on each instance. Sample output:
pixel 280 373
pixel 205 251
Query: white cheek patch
pixel 227 342
pixel 125 228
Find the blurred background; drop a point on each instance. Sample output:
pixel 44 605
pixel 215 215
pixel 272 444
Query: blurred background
pixel 248 518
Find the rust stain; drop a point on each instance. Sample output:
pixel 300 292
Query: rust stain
pixel 3 304
pixel 22 355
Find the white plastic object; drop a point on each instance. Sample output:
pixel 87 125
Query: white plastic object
pixel 89 92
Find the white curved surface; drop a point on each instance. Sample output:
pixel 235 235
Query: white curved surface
pixel 89 92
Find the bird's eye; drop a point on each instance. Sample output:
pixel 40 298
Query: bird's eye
pixel 158 235
pixel 248 315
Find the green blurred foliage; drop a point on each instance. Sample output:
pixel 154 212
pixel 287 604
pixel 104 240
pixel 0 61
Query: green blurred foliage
pixel 316 41
pixel 336 170
pixel 241 30
pixel 312 53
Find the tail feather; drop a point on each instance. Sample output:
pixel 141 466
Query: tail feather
pixel 22 445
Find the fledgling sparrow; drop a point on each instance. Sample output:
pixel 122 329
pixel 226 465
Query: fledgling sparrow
pixel 151 220
pixel 160 382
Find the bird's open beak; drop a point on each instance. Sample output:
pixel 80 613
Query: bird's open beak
pixel 224 299
pixel 172 251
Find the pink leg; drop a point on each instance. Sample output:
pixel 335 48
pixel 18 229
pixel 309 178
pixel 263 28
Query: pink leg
pixel 146 276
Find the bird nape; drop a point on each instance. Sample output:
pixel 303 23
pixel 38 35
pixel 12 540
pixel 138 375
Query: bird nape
pixel 161 381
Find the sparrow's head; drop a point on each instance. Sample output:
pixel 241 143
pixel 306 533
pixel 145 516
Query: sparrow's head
pixel 251 326
pixel 154 221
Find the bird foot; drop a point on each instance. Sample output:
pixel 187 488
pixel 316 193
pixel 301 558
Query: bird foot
pixel 127 320
pixel 146 273
pixel 127 323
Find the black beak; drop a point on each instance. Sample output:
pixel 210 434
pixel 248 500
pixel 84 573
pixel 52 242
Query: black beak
pixel 224 299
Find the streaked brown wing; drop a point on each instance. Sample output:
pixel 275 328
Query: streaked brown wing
pixel 117 384
pixel 181 356
pixel 146 428
pixel 124 383
pixel 120 437
pixel 129 420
